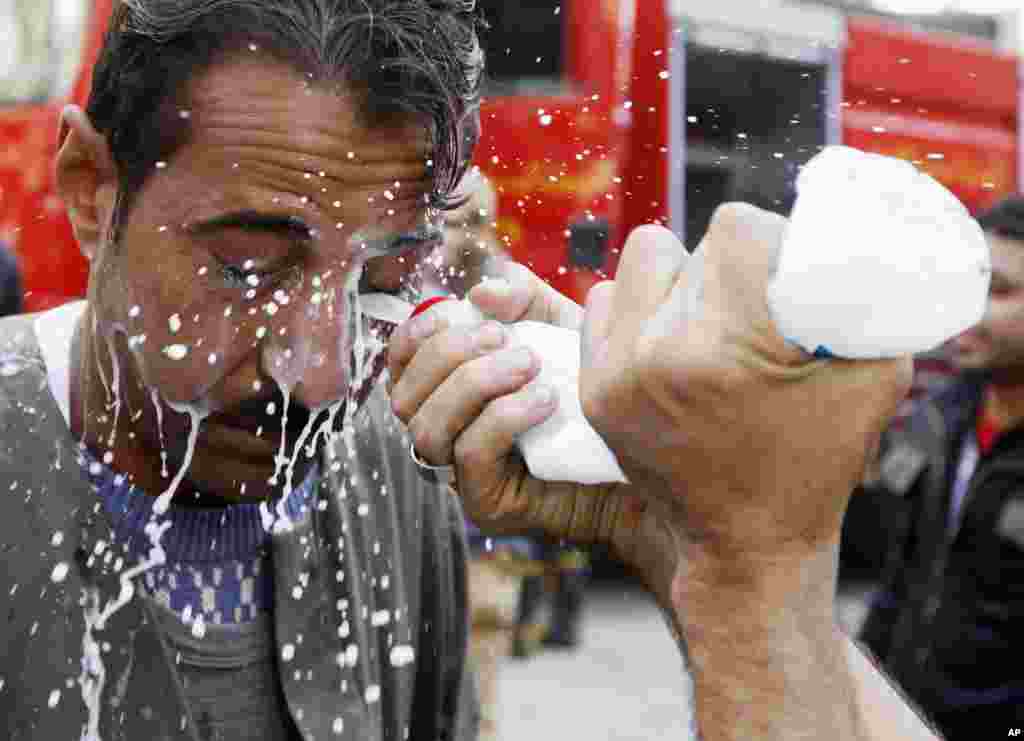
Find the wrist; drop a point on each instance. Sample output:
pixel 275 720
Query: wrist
pixel 756 587
pixel 763 649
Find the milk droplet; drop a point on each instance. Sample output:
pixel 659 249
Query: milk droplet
pixel 338 726
pixel 60 572
pixel 57 539
pixel 54 699
pixel 372 693
pixel 134 311
pixel 176 352
pixel 288 652
pixel 402 655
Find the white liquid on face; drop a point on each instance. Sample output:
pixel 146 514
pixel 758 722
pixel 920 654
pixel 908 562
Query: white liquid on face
pixel 93 676
pixel 99 365
pixel 154 396
pixel 280 461
pixel 326 429
pixel 115 390
pixel 289 472
pixel 196 416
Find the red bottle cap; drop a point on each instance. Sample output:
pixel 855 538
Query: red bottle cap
pixel 424 305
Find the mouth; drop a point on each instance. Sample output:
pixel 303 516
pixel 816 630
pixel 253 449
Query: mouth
pixel 256 436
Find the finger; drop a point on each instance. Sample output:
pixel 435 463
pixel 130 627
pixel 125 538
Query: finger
pixel 651 264
pixel 742 248
pixel 597 322
pixel 436 358
pixel 481 451
pixel 519 295
pixel 740 254
pixel 405 341
pixel 462 396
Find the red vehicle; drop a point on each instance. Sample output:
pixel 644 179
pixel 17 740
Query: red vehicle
pixel 606 114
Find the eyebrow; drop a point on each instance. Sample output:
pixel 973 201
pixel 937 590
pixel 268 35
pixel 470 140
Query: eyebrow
pixel 252 220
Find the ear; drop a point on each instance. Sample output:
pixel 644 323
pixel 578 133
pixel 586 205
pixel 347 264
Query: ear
pixel 86 178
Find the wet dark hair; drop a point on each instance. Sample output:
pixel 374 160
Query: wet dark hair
pixel 403 56
pixel 1005 219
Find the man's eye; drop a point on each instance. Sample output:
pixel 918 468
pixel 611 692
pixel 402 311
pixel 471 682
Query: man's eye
pixel 234 276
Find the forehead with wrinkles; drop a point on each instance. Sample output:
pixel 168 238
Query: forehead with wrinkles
pixel 260 130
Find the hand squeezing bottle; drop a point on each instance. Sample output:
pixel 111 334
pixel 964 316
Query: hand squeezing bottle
pixel 879 260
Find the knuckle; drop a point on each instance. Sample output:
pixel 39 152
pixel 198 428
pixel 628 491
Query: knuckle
pixel 398 345
pixel 422 435
pixel 468 453
pixel 400 403
pixel 596 400
pixel 474 376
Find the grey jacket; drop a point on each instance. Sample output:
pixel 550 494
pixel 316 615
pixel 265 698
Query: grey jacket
pixel 374 516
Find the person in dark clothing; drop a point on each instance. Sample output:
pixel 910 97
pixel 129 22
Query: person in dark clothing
pixel 948 622
pixel 10 283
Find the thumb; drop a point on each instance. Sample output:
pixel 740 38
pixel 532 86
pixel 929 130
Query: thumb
pixel 652 262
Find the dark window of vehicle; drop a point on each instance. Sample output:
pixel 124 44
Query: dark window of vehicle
pixel 524 46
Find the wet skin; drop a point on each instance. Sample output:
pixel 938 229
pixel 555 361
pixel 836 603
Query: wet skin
pixel 239 249
pixel 996 343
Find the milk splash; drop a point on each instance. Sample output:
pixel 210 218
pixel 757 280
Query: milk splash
pixel 154 396
pixel 93 676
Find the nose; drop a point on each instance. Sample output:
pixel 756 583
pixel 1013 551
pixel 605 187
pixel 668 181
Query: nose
pixel 308 353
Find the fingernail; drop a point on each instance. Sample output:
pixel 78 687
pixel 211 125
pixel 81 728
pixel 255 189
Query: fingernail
pixel 422 326
pixel 490 336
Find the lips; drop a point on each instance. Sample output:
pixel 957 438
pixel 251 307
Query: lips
pixel 237 431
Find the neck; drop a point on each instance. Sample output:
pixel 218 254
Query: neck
pixel 1005 402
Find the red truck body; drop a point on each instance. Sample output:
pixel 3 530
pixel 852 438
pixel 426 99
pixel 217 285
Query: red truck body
pixel 613 145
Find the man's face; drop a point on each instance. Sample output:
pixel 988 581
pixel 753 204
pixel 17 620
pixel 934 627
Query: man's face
pixel 996 343
pixel 230 287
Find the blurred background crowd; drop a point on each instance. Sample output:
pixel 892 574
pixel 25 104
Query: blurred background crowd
pixel 601 115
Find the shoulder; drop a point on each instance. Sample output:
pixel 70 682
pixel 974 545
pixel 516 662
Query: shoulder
pixel 21 362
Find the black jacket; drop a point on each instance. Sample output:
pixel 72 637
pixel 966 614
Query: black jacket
pixel 948 623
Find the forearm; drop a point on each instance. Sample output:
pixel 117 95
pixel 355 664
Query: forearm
pixel 768 660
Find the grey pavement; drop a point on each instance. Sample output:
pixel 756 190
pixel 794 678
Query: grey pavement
pixel 626 683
